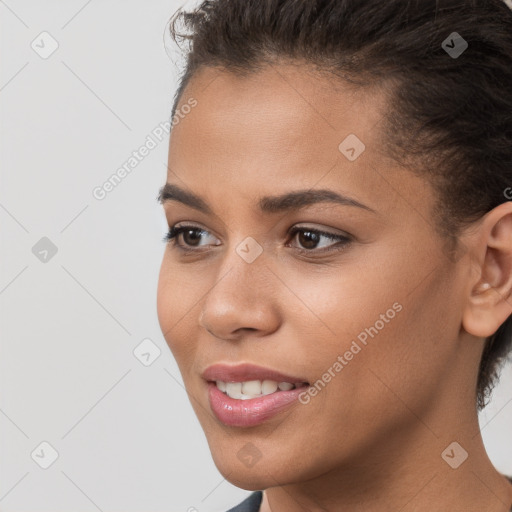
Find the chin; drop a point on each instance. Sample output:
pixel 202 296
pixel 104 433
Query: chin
pixel 249 479
pixel 264 473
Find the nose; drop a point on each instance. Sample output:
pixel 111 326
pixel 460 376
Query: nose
pixel 242 299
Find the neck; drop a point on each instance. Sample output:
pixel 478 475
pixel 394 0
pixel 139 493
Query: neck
pixel 411 471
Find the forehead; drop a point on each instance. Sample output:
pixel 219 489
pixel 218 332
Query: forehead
pixel 281 128
pixel 280 108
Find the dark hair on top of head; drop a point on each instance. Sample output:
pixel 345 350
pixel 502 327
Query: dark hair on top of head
pixel 449 118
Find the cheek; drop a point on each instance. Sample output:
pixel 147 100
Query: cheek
pixel 342 318
pixel 165 298
pixel 339 304
pixel 391 321
pixel 179 296
pixel 175 300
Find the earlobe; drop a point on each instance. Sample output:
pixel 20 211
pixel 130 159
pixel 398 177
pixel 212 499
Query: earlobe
pixel 489 303
pixel 484 320
pixel 483 312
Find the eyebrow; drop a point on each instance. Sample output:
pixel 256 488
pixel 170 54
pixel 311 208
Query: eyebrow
pixel 268 204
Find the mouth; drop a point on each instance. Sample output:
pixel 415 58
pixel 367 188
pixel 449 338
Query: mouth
pixel 247 395
pixel 249 389
pixel 246 381
pixel 240 406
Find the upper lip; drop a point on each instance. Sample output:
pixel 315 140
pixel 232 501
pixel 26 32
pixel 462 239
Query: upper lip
pixel 245 372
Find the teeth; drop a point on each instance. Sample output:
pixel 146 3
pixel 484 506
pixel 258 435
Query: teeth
pixel 268 386
pixel 234 389
pixel 253 388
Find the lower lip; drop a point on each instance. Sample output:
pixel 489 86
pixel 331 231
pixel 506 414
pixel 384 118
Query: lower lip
pixel 250 412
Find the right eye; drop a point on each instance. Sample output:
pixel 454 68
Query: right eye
pixel 190 235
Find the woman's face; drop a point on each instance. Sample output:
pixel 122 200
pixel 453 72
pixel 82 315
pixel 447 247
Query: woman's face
pixel 374 315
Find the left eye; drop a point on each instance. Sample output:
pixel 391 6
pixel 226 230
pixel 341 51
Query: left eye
pixel 309 238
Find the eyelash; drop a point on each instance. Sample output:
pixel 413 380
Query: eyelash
pixel 343 241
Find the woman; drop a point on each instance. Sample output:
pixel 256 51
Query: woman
pixel 336 286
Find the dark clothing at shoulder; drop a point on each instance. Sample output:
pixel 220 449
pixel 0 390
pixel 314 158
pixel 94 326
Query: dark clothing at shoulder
pixel 250 504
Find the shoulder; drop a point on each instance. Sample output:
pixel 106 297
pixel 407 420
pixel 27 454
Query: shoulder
pixel 250 504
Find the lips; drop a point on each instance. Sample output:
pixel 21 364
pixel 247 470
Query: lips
pixel 249 413
pixel 246 372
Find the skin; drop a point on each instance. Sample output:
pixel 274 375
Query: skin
pixel 371 440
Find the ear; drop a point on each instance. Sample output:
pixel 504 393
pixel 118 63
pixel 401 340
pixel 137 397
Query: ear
pixel 489 302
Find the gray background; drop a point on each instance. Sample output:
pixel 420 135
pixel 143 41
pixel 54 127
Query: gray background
pixel 126 435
